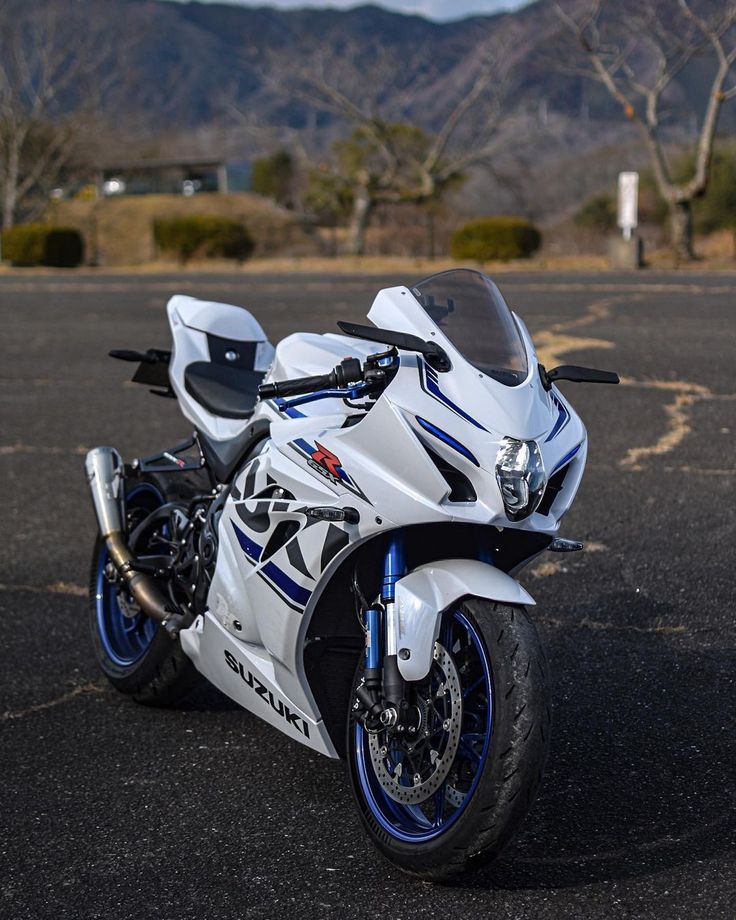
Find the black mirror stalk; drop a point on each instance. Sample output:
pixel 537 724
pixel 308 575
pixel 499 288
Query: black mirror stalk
pixel 435 355
pixel 576 374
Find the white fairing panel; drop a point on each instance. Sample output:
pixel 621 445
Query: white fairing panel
pixel 477 412
pixel 272 563
pixel 424 594
pixel 306 354
pixel 519 411
pixel 192 321
pixel 247 676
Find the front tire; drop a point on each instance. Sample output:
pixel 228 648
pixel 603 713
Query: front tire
pixel 497 762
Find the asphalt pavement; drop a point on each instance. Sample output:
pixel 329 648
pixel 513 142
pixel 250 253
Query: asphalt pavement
pixel 113 810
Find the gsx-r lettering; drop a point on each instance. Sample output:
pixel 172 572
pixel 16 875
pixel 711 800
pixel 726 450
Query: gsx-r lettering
pixel 385 629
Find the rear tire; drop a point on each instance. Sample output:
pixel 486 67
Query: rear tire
pixel 499 785
pixel 135 653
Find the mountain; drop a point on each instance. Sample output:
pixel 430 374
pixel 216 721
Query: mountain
pixel 187 63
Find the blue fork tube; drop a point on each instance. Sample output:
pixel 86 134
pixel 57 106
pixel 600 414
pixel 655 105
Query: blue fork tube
pixel 394 568
pixel 485 551
pixel 373 639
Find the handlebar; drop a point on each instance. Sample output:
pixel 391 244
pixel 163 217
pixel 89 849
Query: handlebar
pixel 347 371
pixel 296 386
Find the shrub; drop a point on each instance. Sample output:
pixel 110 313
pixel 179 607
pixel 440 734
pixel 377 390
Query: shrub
pixel 206 237
pixel 495 238
pixel 43 244
pixel 598 214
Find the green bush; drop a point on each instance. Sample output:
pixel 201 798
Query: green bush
pixel 598 214
pixel 495 238
pixel 43 244
pixel 203 236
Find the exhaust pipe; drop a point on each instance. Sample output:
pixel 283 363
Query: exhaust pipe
pixel 104 468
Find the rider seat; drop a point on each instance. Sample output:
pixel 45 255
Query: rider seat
pixel 224 390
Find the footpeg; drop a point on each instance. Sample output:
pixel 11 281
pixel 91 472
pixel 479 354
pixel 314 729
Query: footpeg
pixel 560 545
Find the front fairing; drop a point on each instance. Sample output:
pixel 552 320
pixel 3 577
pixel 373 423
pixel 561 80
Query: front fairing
pixel 388 464
pixel 478 411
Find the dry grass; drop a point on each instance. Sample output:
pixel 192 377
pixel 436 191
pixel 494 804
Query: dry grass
pixel 118 231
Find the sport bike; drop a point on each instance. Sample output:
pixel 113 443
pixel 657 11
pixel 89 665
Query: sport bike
pixel 336 546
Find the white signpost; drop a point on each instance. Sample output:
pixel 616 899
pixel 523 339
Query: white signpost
pixel 628 202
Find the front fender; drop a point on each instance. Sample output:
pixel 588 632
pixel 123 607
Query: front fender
pixel 423 595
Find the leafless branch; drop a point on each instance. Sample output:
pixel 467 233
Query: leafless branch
pixel 53 74
pixel 655 52
pixel 654 55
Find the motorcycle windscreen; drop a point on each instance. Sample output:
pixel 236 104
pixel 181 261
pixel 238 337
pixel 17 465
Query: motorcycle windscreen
pixel 469 309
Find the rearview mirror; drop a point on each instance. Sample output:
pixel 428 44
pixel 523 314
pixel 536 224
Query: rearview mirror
pixel 576 374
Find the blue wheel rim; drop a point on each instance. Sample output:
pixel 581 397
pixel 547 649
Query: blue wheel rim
pixel 411 823
pixel 124 639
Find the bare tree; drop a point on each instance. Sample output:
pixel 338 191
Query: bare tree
pixel 636 54
pixel 387 158
pixel 390 161
pixel 52 74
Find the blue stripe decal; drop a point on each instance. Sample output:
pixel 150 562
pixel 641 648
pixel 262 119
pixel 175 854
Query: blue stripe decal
pixel 567 458
pixel 305 446
pixel 447 439
pixel 434 389
pixel 249 547
pixel 563 417
pixel 288 586
pixel 292 413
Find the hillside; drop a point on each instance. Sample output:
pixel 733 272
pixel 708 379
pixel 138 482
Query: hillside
pixel 187 64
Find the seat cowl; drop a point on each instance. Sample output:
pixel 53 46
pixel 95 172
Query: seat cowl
pixel 220 319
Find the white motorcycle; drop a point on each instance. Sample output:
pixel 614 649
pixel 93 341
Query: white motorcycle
pixel 335 549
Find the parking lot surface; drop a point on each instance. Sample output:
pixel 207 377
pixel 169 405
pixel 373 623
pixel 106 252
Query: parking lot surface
pixel 112 810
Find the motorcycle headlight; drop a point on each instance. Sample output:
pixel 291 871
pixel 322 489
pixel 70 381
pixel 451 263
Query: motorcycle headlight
pixel 520 476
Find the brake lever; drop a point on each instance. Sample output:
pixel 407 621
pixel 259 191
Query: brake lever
pixel 351 392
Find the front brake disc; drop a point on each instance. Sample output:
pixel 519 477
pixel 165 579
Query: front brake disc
pixel 412 775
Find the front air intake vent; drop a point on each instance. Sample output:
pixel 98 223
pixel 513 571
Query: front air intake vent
pixel 461 488
pixel 554 487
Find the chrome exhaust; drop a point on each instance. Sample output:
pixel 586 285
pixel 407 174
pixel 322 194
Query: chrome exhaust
pixel 104 468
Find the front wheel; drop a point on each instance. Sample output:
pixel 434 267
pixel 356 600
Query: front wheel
pixel 451 796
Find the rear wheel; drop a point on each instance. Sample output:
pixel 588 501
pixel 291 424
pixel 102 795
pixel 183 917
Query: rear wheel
pixel 451 796
pixel 136 655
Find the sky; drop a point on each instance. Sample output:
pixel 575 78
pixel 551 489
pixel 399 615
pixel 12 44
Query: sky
pixel 440 10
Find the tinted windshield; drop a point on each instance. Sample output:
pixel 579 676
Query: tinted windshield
pixel 469 309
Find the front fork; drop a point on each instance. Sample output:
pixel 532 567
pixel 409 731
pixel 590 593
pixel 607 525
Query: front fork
pixel 381 694
pixel 394 568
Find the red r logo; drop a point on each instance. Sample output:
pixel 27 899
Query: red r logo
pixel 327 459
